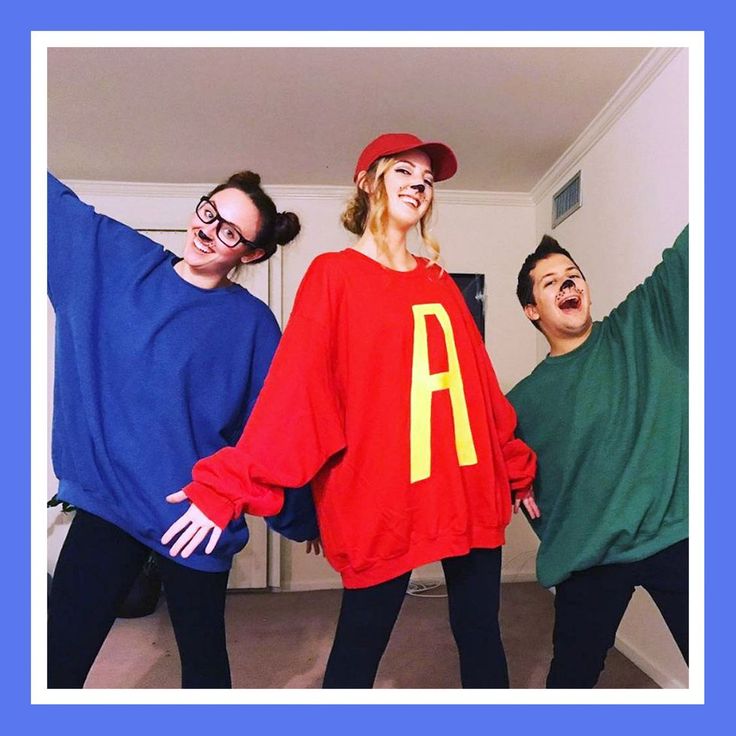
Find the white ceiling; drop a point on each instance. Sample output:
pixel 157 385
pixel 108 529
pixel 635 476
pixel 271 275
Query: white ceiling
pixel 300 116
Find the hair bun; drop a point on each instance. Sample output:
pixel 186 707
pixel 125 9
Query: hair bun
pixel 246 179
pixel 286 227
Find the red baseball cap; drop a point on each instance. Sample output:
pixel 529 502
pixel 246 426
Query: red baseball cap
pixel 444 163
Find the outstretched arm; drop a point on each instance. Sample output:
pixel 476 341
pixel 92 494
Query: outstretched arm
pixel 668 292
pixel 83 246
pixel 660 302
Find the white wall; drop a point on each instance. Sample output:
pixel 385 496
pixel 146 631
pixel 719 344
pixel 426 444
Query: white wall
pixel 634 191
pixel 635 203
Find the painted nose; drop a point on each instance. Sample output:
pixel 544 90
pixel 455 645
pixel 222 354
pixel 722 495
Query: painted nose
pixel 418 188
pixel 567 284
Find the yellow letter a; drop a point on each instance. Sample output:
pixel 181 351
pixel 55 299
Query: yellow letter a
pixel 424 384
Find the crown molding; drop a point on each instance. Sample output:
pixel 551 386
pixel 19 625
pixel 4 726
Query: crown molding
pixel 487 199
pixel 637 83
pixel 97 188
pixel 91 189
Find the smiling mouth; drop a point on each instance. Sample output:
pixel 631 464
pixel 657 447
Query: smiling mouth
pixel 411 201
pixel 200 245
pixel 570 303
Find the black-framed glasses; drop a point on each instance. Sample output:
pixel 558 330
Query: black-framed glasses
pixel 227 233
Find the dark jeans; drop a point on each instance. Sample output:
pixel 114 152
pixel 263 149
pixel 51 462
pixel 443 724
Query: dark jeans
pixel 590 604
pixel 368 615
pixel 96 568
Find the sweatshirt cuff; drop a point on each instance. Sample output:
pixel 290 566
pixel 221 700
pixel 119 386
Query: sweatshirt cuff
pixel 522 493
pixel 217 509
pixel 222 511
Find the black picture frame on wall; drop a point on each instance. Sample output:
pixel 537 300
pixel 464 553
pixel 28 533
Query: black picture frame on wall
pixel 473 288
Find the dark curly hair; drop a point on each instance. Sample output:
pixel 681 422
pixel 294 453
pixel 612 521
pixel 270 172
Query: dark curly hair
pixel 277 228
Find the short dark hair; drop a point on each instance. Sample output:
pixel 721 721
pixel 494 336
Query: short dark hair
pixel 548 246
pixel 277 228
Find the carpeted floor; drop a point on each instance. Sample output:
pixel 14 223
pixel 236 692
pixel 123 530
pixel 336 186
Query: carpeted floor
pixel 282 640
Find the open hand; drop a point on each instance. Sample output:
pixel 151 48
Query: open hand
pixel 529 504
pixel 194 526
pixel 314 545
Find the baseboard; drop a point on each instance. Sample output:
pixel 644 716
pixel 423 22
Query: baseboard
pixel 307 585
pixel 645 664
pixel 322 584
pixel 521 576
pixel 518 576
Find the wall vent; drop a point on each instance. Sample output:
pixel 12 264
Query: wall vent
pixel 566 200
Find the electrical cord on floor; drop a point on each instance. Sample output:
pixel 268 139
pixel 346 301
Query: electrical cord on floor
pixel 513 567
pixel 419 590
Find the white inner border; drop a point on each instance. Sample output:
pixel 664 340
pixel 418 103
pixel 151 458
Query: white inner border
pixel 41 41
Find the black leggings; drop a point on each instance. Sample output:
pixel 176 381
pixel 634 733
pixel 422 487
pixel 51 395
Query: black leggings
pixel 96 568
pixel 368 615
pixel 590 604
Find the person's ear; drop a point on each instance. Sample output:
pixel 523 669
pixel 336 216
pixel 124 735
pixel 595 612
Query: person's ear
pixel 252 255
pixel 531 311
pixel 363 183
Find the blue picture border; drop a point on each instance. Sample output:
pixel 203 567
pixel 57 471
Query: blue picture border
pixel 15 384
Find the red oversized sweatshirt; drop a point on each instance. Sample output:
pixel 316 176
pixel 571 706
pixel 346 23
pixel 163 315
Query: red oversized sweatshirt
pixel 382 394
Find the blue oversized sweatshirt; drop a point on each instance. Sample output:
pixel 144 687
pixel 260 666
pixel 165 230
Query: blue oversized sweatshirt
pixel 151 374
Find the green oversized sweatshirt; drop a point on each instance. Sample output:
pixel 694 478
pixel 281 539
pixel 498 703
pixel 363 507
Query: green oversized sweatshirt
pixel 609 424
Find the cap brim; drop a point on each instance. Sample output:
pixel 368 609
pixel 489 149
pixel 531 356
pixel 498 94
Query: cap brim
pixel 444 163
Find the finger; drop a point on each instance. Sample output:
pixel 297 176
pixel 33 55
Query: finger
pixel 175 528
pixel 183 539
pixel 532 508
pixel 177 497
pixel 195 541
pixel 214 539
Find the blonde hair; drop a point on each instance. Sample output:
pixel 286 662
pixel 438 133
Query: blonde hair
pixel 366 211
